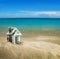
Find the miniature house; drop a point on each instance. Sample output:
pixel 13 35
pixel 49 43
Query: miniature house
pixel 14 35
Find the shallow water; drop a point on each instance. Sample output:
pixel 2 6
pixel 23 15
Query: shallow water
pixel 30 24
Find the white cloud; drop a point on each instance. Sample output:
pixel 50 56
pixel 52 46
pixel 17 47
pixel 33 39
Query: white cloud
pixel 34 14
pixel 41 13
pixel 38 12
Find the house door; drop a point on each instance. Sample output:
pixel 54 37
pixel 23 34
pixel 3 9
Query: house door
pixel 17 39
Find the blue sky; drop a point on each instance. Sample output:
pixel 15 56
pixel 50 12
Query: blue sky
pixel 30 8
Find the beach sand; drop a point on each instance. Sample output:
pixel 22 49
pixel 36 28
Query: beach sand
pixel 34 46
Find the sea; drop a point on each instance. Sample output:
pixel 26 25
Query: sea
pixel 30 23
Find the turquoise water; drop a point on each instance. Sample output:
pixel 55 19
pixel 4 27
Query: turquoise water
pixel 31 23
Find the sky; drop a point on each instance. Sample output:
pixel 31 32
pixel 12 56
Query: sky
pixel 29 8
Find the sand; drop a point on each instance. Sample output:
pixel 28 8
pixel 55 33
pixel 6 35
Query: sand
pixel 33 47
pixel 30 50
